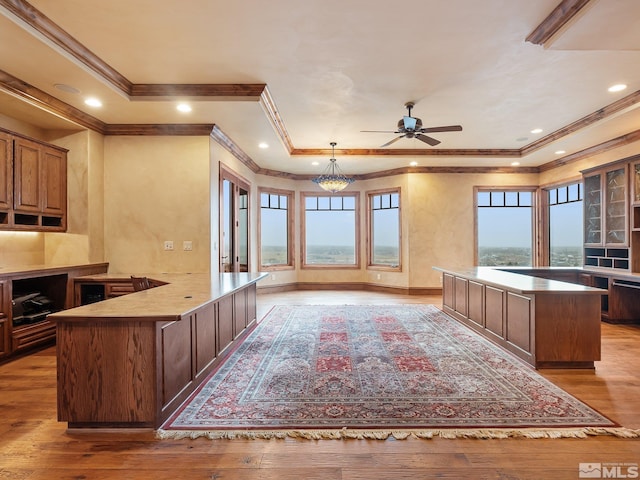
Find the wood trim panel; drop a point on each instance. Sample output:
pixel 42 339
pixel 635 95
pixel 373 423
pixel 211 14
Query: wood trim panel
pixel 411 152
pixel 557 19
pixel 219 91
pixel 170 129
pixel 269 106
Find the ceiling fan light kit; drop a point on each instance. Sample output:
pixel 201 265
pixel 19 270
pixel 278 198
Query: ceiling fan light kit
pixel 332 179
pixel 411 127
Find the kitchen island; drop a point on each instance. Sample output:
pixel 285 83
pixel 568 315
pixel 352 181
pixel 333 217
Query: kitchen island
pixel 131 361
pixel 546 323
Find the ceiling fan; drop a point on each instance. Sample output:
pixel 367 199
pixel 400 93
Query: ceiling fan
pixel 411 127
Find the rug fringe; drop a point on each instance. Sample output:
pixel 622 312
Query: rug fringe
pixel 355 434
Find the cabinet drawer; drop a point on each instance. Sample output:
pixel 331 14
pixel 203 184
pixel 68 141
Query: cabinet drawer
pixel 33 335
pixel 118 289
pixel 4 337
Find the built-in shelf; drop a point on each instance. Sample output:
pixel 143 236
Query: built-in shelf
pixel 617 258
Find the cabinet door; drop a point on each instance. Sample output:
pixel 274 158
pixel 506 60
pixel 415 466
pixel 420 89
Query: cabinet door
pixel 27 175
pixel 635 182
pixel 593 210
pixel 54 181
pixel 6 169
pixel 447 290
pixel 616 207
pixel 4 321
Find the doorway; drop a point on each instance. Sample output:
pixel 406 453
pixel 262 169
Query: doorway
pixel 234 222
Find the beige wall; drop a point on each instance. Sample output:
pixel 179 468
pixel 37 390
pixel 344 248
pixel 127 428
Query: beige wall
pixel 156 189
pixel 441 220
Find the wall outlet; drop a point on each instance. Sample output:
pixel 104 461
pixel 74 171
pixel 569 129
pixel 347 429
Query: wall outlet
pixel 168 244
pixel 187 245
pixel 378 276
pixel 273 276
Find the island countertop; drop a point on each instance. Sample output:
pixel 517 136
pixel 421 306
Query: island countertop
pixel 181 294
pixel 520 282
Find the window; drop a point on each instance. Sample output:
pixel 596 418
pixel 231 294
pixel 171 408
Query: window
pixel 330 230
pixel 384 229
pixel 565 226
pixel 276 232
pixel 505 231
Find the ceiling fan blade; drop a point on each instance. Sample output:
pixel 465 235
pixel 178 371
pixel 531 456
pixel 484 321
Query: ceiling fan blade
pixel 409 123
pixel 431 141
pixel 378 131
pixel 449 128
pixel 392 141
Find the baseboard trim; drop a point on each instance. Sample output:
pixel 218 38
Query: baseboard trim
pixel 370 287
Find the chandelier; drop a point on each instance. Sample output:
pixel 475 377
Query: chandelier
pixel 332 179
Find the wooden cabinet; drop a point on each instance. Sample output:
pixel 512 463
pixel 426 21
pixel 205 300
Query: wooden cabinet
pixel 5 348
pixel 635 216
pixel 549 328
pixel 56 283
pixel 33 184
pixel 606 207
pixel 119 370
pixel 26 167
pixel 53 183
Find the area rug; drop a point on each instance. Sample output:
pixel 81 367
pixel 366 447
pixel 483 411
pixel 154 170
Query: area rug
pixel 355 371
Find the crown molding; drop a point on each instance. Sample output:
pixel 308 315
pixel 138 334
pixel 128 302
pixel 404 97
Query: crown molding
pixel 165 129
pixel 232 147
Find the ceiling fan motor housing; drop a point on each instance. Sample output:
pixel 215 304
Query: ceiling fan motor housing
pixel 409 124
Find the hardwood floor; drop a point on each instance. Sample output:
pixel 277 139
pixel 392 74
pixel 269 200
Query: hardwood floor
pixel 34 445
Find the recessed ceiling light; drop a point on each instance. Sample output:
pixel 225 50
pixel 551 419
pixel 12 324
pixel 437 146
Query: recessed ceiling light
pixel 515 164
pixel 93 102
pixel 315 164
pixel 183 107
pixel 67 88
pixel 263 145
pixel 560 152
pixel 536 130
pixel 414 164
pixel 617 87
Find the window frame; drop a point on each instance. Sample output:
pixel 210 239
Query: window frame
pixel 370 246
pixel 545 215
pixel 534 190
pixel 290 194
pixel 303 232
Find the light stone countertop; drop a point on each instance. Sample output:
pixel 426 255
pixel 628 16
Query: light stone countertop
pixel 520 282
pixel 182 294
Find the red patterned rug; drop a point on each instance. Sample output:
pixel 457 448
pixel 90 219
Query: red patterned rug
pixel 340 371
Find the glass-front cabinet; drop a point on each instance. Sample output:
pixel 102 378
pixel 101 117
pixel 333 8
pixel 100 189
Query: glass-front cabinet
pixel 606 217
pixel 593 209
pixel 635 169
pixel 615 220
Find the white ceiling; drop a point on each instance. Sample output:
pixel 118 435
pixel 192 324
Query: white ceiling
pixel 336 67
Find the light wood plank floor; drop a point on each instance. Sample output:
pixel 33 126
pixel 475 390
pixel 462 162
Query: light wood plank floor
pixel 33 445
